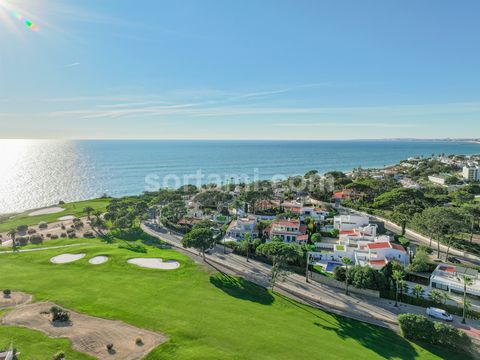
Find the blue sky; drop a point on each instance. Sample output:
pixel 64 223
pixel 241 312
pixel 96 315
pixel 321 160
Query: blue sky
pixel 250 69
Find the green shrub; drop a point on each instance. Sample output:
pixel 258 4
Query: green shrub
pixel 22 228
pixel 60 315
pixel 449 336
pixel 42 225
pixel 22 240
pixel 418 327
pixel 63 235
pixel 36 239
pixel 7 293
pixel 31 231
pixel 88 234
pixel 339 273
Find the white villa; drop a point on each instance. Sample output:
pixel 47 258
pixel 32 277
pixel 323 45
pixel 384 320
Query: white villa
pixel 350 222
pixel 367 233
pixel 375 254
pixel 449 278
pixel 316 214
pixel 238 228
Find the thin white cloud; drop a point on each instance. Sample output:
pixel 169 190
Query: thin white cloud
pixel 349 125
pixel 205 109
pixel 72 65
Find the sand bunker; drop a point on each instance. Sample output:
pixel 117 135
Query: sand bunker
pixel 97 260
pixel 66 258
pixel 88 334
pixel 46 211
pixel 155 263
pixel 66 217
pixel 16 298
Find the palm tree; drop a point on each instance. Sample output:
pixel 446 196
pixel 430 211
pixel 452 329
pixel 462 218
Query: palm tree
pixel 449 241
pixel 418 291
pixel 467 281
pixel 88 210
pixel 13 233
pixel 346 261
pixel 398 277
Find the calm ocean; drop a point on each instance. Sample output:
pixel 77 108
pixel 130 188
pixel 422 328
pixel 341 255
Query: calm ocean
pixel 40 173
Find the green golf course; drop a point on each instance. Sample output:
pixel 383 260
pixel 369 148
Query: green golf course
pixel 206 315
pixel 73 208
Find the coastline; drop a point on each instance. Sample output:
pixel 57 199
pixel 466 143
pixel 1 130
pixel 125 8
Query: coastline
pixel 121 168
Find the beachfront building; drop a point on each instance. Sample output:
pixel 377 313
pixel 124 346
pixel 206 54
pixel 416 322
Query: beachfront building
pixel 449 278
pixel 350 222
pixel 290 231
pixel 238 228
pixel 471 173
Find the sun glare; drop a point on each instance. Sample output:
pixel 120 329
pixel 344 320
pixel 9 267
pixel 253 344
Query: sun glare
pixel 12 14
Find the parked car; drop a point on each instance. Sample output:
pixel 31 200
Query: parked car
pixel 453 260
pixel 439 314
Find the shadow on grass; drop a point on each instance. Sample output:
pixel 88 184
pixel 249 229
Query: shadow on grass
pixel 384 342
pixel 241 289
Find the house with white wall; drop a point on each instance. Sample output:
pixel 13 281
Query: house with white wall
pixel 365 233
pixel 350 222
pixel 449 278
pixel 366 253
pixel 238 228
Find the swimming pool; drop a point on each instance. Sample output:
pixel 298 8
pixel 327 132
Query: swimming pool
pixel 332 265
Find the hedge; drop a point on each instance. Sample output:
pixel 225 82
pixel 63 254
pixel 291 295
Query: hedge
pixel 418 327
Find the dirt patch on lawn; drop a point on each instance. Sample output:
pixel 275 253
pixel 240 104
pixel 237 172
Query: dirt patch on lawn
pixel 16 298
pixel 88 334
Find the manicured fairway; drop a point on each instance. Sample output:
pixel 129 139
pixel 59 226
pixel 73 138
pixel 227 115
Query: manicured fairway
pixel 206 315
pixel 30 343
pixel 74 208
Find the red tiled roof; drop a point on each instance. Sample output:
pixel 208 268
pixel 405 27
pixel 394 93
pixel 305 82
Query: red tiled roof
pixel 348 232
pixel 398 247
pixel 290 223
pixel 302 238
pixel 446 268
pixel 378 262
pixel 379 245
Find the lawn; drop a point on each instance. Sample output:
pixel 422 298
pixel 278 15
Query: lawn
pixel 207 315
pixel 74 208
pixel 30 343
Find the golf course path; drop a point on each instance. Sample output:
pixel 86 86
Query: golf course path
pixel 43 248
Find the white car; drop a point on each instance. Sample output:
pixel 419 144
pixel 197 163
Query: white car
pixel 439 314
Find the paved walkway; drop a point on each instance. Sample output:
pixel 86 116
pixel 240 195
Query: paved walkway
pixel 43 248
pixel 381 312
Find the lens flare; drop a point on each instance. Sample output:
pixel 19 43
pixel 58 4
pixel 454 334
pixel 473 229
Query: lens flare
pixel 24 20
pixel 9 8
